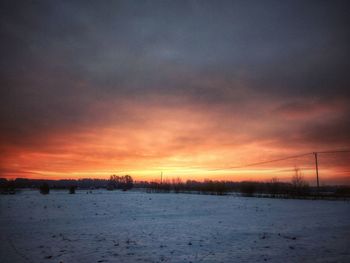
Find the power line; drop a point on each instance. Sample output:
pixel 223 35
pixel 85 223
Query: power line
pixel 290 157
pixel 280 159
pixel 258 163
pixel 338 151
pixel 264 162
pixel 315 154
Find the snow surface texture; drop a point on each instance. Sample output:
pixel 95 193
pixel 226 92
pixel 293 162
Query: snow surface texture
pixel 140 227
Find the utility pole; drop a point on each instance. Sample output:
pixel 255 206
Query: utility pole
pixel 161 177
pixel 316 162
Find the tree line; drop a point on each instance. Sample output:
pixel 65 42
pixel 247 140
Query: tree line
pixel 297 187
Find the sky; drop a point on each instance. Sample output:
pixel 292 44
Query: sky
pixel 187 88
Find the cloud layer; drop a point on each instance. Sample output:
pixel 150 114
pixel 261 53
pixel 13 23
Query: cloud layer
pixel 91 87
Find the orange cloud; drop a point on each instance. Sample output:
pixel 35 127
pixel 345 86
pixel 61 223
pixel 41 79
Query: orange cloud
pixel 185 142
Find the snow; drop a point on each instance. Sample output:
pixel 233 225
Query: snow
pixel 133 226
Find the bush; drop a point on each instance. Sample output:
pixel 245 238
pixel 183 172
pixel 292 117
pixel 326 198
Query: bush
pixel 343 191
pixel 248 188
pixel 8 187
pixel 44 189
pixel 72 189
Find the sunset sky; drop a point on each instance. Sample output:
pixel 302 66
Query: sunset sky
pixel 187 88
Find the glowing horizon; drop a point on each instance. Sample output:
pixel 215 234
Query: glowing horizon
pixel 180 143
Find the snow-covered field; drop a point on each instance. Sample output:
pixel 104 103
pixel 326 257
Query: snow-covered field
pixel 140 227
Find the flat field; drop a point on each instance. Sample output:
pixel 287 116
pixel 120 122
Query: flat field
pixel 133 226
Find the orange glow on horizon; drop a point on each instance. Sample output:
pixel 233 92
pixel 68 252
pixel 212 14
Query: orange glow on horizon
pixel 184 143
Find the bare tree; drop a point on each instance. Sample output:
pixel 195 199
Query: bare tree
pixel 126 182
pixel 300 186
pixel 120 182
pixel 113 182
pixel 274 187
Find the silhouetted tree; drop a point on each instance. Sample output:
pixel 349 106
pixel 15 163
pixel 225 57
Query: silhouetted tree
pixel 177 185
pixel 127 182
pixel 299 185
pixel 274 187
pixel 113 182
pixel 120 182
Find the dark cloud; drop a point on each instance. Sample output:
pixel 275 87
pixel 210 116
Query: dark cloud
pixel 60 58
pixel 336 132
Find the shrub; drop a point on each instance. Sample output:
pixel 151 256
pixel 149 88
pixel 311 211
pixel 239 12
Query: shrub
pixel 44 189
pixel 72 189
pixel 248 188
pixel 7 187
pixel 343 191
